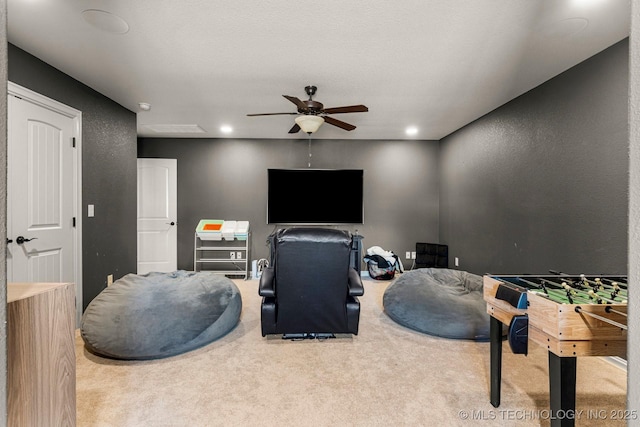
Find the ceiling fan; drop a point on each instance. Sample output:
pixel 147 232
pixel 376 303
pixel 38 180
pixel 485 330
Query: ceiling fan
pixel 312 113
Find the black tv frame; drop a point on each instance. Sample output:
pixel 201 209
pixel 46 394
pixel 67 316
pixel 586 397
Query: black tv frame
pixel 315 196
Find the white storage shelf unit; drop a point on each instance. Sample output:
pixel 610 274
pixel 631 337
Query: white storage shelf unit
pixel 223 253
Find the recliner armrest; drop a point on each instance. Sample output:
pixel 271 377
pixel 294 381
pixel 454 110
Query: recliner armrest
pixel 355 283
pixel 267 283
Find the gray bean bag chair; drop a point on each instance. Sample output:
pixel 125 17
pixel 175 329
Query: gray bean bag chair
pixel 438 301
pixel 158 315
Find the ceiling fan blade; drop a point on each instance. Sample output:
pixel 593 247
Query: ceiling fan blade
pixel 338 123
pixel 301 105
pixel 295 129
pixel 271 114
pixel 348 109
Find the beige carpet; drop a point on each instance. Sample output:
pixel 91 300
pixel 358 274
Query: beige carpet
pixel 386 375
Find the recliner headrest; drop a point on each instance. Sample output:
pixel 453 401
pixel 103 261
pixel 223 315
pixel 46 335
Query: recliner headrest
pixel 320 235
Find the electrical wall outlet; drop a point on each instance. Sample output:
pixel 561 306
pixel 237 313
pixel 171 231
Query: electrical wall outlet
pixel 232 255
pixel 110 280
pixel 238 255
pixel 407 255
pixel 413 255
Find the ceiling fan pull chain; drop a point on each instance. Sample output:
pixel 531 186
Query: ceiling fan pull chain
pixel 309 150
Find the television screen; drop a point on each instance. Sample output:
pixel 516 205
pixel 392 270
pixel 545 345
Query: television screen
pixel 315 196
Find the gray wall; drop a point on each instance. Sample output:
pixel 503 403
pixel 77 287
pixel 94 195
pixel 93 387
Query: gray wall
pixel 108 170
pixel 227 179
pixel 541 182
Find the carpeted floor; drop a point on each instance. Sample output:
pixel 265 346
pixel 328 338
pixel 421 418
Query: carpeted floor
pixel 386 375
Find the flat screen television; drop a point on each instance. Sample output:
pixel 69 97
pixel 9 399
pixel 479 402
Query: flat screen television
pixel 315 196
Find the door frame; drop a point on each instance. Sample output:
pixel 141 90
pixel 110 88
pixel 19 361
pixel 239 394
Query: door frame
pixel 53 105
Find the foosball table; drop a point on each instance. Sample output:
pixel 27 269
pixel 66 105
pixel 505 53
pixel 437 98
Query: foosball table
pixel 570 315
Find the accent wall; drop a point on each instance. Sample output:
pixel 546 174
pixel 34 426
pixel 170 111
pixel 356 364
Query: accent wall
pixel 542 182
pixel 227 179
pixel 109 171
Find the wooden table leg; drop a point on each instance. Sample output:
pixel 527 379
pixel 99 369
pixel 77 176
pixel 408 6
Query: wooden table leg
pixel 562 390
pixel 495 337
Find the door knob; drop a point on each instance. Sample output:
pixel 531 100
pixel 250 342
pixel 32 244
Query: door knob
pixel 171 223
pixel 20 239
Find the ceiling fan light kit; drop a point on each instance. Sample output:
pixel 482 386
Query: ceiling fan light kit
pixel 313 114
pixel 308 123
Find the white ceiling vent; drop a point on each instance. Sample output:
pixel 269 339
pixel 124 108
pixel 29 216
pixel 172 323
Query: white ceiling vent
pixel 174 128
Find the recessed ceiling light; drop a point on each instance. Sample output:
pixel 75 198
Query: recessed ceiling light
pixel 226 129
pixel 411 130
pixel 144 106
pixel 105 21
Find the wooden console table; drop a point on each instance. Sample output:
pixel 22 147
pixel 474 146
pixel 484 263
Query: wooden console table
pixel 41 360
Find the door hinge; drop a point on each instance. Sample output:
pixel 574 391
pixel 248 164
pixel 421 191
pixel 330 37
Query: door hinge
pixel 73 142
pixel 74 222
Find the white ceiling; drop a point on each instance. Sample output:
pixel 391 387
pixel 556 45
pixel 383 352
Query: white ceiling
pixel 433 64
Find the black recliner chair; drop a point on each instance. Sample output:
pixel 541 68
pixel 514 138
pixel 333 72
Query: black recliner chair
pixel 309 289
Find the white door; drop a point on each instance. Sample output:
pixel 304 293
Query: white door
pixel 157 215
pixel 41 194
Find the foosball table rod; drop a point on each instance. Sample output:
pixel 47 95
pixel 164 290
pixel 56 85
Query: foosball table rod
pixel 612 310
pixel 604 319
